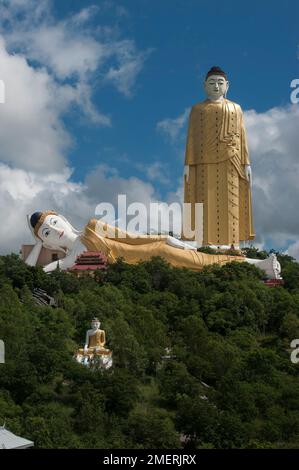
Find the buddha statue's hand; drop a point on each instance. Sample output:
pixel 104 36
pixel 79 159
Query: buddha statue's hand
pixel 38 242
pixel 186 173
pixel 248 174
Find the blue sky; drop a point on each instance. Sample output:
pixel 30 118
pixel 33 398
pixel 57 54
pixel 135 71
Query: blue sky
pixel 98 95
pixel 257 46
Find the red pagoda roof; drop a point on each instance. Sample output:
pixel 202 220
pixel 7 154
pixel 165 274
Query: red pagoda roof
pixel 86 267
pixel 90 261
pixel 274 282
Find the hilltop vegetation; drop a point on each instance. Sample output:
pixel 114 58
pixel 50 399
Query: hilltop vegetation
pixel 229 383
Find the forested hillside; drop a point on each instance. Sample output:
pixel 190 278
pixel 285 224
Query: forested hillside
pixel 229 383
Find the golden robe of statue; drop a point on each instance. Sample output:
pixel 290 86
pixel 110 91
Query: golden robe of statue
pixel 96 344
pixel 142 248
pixel 216 154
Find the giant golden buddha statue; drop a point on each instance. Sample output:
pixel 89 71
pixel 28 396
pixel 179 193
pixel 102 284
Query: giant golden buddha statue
pixel 217 168
pixel 54 231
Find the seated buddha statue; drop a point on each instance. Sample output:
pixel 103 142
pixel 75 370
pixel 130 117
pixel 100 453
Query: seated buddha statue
pixel 54 231
pixel 95 341
pixel 94 348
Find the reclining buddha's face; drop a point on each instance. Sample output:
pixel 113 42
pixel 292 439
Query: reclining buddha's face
pixel 56 232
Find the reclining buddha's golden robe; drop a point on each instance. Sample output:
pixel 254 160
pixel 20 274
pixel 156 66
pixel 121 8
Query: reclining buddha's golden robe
pixel 142 248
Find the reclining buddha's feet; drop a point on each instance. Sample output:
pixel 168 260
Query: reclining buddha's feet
pixel 271 266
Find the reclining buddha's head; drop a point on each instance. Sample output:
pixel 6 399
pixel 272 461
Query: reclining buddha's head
pixel 53 229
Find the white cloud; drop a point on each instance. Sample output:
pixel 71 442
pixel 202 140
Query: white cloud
pixel 129 64
pixel 104 184
pixel 156 172
pixel 79 55
pixel 71 48
pixel 38 57
pixel 84 15
pixel 31 132
pixel 293 250
pixel 172 128
pixel 273 145
pixel 29 11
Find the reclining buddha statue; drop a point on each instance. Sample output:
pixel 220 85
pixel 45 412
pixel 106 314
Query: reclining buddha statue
pixel 54 231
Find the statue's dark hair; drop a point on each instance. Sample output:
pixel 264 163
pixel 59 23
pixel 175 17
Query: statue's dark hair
pixel 215 70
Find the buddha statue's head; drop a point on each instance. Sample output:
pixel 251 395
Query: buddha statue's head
pixel 95 323
pixel 53 229
pixel 216 83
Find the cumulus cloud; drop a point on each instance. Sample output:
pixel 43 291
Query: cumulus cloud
pixel 65 51
pixel 37 97
pixel 48 66
pixel 273 145
pixel 71 47
pixel 32 133
pixel 155 172
pixel 293 250
pixel 172 128
pixel 104 184
pixel 84 15
pixel 129 64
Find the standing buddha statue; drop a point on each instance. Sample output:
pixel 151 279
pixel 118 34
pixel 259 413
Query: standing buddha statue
pixel 217 168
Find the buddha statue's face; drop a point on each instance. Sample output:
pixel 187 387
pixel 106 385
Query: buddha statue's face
pixel 95 325
pixel 56 232
pixel 216 87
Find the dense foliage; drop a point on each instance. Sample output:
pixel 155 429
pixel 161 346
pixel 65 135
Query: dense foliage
pixel 228 383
